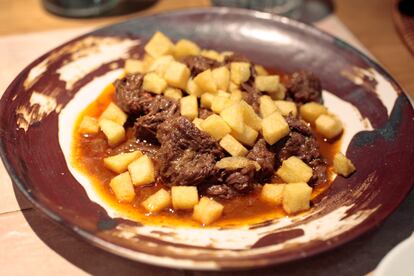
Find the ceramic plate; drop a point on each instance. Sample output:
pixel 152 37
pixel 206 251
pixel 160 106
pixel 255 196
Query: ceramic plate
pixel 38 110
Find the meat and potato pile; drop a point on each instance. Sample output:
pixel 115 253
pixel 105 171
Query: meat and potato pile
pixel 212 126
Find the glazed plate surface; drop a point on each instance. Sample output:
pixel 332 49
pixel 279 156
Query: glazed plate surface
pixel 39 108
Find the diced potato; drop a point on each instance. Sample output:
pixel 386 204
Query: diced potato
pixel 250 117
pixel 207 100
pixel 215 126
pixel 267 106
pixel 142 171
pixel 114 132
pixel 343 165
pixel 89 125
pixel 147 62
pixel 193 89
pixel 260 70
pixel 296 197
pixel 184 197
pixel 212 54
pixel 177 74
pixel 239 72
pixel 274 128
pixel 185 48
pixel 329 126
pixel 286 108
pixel 223 93
pixel 197 122
pixel 115 114
pixel 272 193
pixel 233 86
pixel 236 96
pixel 279 94
pixel 294 170
pixel 159 45
pixel 173 93
pixel 267 83
pixel 154 83
pixel 189 107
pixel 158 201
pixel 119 163
pixel 220 103
pixel 206 82
pixel 160 65
pixel 122 187
pixel 233 115
pixel 311 111
pixel 247 137
pixel 222 77
pixel 232 146
pixel 207 211
pixel 236 162
pixel 134 66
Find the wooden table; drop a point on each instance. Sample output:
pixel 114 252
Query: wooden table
pixel 30 243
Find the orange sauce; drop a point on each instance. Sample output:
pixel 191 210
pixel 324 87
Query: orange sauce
pixel 243 210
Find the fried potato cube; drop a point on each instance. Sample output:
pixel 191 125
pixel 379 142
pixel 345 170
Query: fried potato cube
pixel 173 93
pixel 279 94
pixel 142 171
pixel 119 163
pixel 197 122
pixel 160 65
pixel 206 100
pixel 235 163
pixel 236 96
pixel 122 187
pixel 239 72
pixel 342 165
pixel 157 201
pixel 207 211
pixel 286 108
pixel 206 82
pixel 247 137
pixel 134 66
pixel 189 107
pixel 220 102
pixel 215 126
pixel 267 106
pixel 184 197
pixel 329 126
pixel 185 48
pixel 159 45
pixel 115 114
pixel 250 117
pixel 177 74
pixel 311 111
pixel 294 170
pixel 89 125
pixel 296 197
pixel 233 86
pixel 114 132
pixel 147 61
pixel 274 128
pixel 222 77
pixel 193 89
pixel 232 146
pixel 272 193
pixel 223 93
pixel 267 83
pixel 154 83
pixel 260 70
pixel 233 115
pixel 212 54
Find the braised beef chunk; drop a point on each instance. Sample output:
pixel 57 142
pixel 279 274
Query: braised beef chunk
pixel 266 159
pixel 204 113
pixel 235 58
pixel 198 64
pixel 251 95
pixel 304 87
pixel 187 156
pixel 129 95
pixel 157 111
pixel 298 125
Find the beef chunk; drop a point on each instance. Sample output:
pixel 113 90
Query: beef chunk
pixel 157 111
pixel 187 156
pixel 304 87
pixel 235 58
pixel 251 95
pixel 266 159
pixel 198 64
pixel 298 125
pixel 203 113
pixel 129 95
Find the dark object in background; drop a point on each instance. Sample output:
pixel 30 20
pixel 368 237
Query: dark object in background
pixel 94 8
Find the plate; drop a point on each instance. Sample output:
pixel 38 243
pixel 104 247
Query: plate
pixel 39 108
pixel 399 261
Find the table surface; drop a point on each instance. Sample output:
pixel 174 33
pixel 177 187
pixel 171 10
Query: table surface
pixel 50 249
